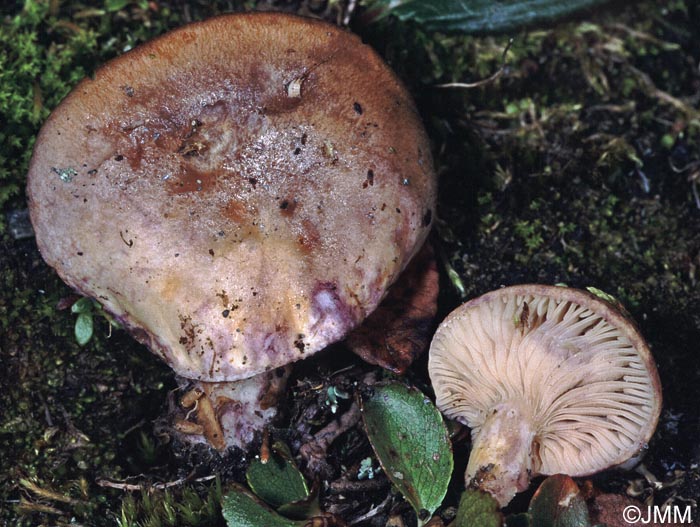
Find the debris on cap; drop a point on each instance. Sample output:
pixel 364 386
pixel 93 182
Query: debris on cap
pixel 238 193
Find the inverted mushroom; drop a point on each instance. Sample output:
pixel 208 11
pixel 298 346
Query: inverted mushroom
pixel 550 380
pixel 238 193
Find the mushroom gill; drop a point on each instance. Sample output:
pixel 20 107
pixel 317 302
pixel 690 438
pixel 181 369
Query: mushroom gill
pixel 550 380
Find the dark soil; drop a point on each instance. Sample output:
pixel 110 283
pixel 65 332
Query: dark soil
pixel 580 164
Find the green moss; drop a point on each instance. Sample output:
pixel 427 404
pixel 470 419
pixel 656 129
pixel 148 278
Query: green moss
pixel 184 506
pixel 71 413
pixel 565 169
pixel 48 47
pixel 35 73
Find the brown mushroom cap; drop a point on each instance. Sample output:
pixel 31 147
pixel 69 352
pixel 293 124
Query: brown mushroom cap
pixel 568 378
pixel 239 192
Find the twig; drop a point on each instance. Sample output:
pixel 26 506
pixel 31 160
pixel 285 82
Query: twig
pixel 314 452
pixel 487 80
pixel 613 108
pixel 78 438
pixel 694 177
pixel 132 428
pixel 679 170
pixel 372 512
pixel 663 96
pixel 640 35
pixel 47 413
pixel 342 486
pixel 155 486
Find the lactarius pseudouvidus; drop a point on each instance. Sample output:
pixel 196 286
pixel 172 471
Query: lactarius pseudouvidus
pixel 238 193
pixel 550 380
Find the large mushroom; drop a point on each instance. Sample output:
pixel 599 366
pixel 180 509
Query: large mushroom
pixel 550 379
pixel 238 193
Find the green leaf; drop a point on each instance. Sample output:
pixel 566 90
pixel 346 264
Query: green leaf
pixel 83 328
pixel 522 519
pixel 303 509
pixel 82 305
pixel 240 509
pixel 559 503
pixel 278 481
pixel 411 442
pixel 116 5
pixel 478 508
pixel 602 294
pixel 481 16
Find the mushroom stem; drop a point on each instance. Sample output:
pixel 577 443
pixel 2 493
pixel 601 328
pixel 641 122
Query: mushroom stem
pixel 230 413
pixel 501 460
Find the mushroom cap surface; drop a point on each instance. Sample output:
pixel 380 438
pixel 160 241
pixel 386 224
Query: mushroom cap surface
pixel 239 192
pixel 577 368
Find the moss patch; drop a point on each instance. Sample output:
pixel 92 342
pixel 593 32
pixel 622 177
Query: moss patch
pixel 580 164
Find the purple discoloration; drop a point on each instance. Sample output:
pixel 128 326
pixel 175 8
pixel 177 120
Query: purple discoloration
pixel 275 344
pixel 200 173
pixel 237 223
pixel 332 316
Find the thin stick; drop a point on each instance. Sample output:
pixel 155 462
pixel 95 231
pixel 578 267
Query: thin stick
pixel 662 96
pixel 372 512
pixel 487 80
pixel 155 486
pixel 342 486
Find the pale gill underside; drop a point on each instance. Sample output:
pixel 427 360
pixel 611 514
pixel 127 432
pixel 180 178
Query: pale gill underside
pixel 588 389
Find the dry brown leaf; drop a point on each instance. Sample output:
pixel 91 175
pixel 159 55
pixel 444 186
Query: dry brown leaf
pixel 400 329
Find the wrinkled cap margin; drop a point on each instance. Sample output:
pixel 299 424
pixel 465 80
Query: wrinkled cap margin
pixel 239 192
pixel 578 368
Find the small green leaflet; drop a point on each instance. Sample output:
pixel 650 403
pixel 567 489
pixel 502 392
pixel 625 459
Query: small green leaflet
pixel 277 482
pixel 83 328
pixel 411 443
pixel 86 308
pixel 481 16
pixel 477 508
pixel 240 509
pixel 602 294
pixel 84 325
pixel 82 305
pixel 116 5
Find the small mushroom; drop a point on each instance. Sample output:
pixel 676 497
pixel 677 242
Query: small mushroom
pixel 550 379
pixel 220 193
